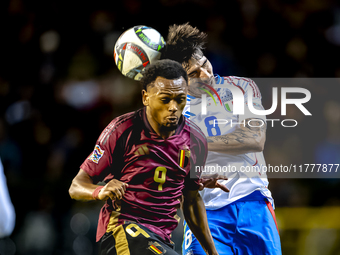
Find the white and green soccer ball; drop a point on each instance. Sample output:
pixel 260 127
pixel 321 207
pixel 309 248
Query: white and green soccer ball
pixel 136 48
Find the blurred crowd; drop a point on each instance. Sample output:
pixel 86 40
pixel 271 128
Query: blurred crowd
pixel 59 88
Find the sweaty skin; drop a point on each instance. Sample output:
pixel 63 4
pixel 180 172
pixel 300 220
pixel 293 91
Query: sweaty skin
pixel 165 100
pixel 244 139
pixel 199 71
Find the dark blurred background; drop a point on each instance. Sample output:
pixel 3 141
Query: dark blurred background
pixel 59 88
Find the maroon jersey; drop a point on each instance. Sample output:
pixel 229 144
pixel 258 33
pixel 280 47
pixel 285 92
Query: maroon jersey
pixel 155 169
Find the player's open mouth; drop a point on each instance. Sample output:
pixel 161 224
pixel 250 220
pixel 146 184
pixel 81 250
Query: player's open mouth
pixel 172 119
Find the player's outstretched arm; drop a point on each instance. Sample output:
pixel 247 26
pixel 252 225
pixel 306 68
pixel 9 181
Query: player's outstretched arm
pixel 196 217
pixel 82 188
pixel 244 139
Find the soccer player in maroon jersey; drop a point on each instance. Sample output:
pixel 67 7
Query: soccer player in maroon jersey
pixel 145 158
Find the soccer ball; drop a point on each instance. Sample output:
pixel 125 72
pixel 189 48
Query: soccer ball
pixel 136 48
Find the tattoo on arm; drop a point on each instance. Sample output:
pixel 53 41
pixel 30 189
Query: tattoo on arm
pixel 242 134
pixel 256 125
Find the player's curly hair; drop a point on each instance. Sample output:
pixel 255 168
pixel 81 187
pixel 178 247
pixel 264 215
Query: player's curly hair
pixel 183 42
pixel 165 68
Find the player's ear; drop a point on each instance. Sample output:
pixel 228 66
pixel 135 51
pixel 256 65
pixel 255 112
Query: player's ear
pixel 145 97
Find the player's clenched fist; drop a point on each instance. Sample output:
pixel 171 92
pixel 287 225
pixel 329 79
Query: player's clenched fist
pixel 114 189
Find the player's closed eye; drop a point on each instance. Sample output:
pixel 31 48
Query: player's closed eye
pixel 180 100
pixel 193 74
pixel 165 100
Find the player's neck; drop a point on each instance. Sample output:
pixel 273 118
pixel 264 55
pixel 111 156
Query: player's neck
pixel 166 134
pixel 158 129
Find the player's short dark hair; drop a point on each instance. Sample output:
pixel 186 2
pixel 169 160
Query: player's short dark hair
pixel 183 42
pixel 166 68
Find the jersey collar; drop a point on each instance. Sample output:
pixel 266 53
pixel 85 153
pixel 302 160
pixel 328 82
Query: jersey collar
pixel 152 132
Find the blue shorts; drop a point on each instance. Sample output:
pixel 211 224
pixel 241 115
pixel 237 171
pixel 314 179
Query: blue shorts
pixel 245 227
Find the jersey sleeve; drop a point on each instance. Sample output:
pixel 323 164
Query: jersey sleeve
pixel 250 88
pixel 101 157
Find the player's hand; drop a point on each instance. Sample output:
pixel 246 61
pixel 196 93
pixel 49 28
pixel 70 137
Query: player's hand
pixel 211 182
pixel 114 189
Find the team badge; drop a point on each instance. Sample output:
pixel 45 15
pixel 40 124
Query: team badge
pixel 184 155
pixel 96 154
pixel 156 248
pixel 228 106
pixel 227 99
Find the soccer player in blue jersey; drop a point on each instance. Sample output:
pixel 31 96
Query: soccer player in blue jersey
pixel 241 221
